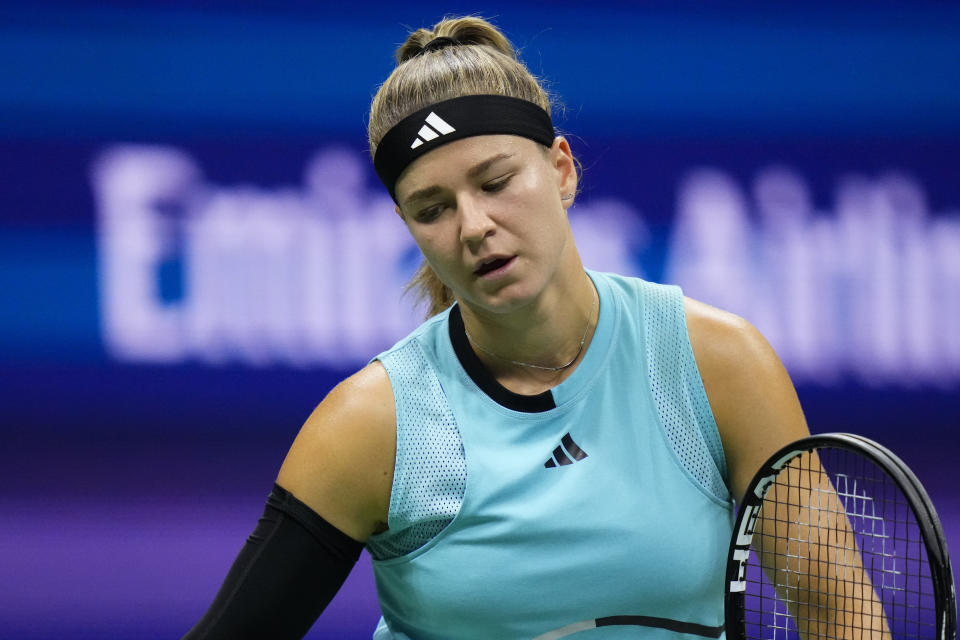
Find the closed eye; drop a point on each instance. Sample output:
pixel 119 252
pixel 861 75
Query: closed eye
pixel 430 213
pixel 497 184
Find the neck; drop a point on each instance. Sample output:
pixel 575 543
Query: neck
pixel 537 346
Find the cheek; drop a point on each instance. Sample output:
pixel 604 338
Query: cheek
pixel 436 246
pixel 534 195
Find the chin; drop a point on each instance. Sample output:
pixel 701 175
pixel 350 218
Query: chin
pixel 505 300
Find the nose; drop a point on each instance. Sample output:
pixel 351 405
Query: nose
pixel 475 221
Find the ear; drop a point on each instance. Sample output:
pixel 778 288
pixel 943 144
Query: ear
pixel 561 158
pixel 396 208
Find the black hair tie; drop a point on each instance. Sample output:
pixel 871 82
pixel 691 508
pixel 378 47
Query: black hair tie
pixel 438 43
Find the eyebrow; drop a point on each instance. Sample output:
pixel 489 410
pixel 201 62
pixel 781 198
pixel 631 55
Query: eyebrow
pixel 472 172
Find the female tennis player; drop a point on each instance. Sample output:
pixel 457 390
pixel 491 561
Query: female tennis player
pixel 555 450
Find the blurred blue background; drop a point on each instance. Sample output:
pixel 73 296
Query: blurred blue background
pixel 194 248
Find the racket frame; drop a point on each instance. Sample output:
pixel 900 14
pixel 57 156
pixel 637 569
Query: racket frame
pixel 927 520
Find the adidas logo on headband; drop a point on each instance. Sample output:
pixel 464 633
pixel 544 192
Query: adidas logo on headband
pixel 440 128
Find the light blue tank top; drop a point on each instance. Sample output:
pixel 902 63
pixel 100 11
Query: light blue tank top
pixel 598 509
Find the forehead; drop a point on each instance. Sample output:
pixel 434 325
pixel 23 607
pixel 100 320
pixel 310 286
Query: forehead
pixel 451 162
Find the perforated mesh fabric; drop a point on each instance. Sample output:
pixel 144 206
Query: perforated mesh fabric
pixel 431 472
pixel 678 391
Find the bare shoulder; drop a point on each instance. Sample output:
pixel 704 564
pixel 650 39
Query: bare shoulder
pixel 724 342
pixel 751 395
pixel 341 462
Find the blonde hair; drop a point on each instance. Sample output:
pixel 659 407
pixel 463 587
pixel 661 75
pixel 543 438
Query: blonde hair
pixel 483 63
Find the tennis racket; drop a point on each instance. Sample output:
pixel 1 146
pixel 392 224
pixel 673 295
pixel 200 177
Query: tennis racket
pixel 836 538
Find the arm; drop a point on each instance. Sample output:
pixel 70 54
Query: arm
pixel 752 398
pixel 757 412
pixel 332 492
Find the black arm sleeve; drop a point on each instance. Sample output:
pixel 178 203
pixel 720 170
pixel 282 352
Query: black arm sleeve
pixel 284 576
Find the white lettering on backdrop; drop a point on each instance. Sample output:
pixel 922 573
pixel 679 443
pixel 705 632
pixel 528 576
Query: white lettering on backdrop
pixel 869 290
pixel 315 274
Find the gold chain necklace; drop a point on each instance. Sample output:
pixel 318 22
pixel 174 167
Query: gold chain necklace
pixel 583 340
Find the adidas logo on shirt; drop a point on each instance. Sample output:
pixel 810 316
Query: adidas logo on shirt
pixel 435 127
pixel 566 450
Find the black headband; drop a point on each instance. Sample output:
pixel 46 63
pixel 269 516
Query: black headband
pixel 454 119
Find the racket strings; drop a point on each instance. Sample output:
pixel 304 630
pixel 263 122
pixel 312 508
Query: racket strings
pixel 837 554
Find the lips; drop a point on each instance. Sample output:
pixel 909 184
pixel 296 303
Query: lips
pixel 492 264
